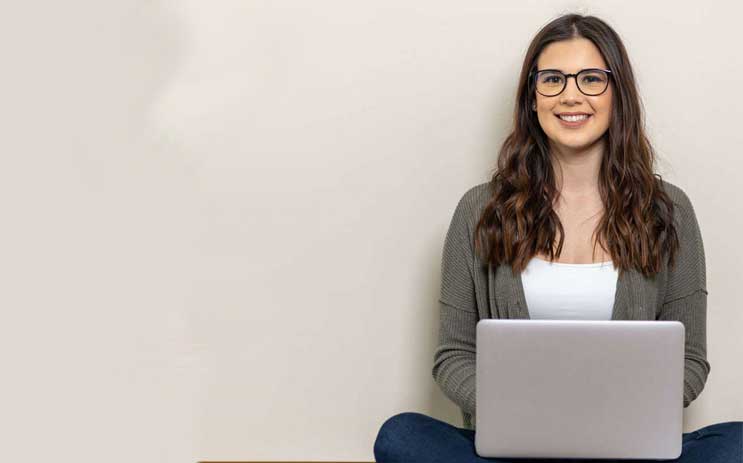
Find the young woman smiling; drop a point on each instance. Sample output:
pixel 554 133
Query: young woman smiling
pixel 575 173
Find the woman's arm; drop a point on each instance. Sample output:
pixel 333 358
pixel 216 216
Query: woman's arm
pixel 454 359
pixel 685 298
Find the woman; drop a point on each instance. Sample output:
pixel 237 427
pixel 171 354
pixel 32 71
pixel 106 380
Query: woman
pixel 576 173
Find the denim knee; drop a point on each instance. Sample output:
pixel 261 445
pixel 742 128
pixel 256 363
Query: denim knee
pixel 390 433
pixel 734 428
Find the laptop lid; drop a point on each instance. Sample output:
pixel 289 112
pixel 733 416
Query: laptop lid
pixel 579 388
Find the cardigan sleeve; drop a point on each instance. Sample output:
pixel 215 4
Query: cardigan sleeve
pixel 685 298
pixel 454 357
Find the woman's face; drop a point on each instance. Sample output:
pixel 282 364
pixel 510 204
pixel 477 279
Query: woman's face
pixel 571 56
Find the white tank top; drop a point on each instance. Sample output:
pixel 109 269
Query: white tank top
pixel 559 291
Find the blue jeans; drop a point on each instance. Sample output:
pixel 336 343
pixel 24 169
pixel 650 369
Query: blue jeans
pixel 412 437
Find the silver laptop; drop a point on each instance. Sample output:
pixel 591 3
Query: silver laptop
pixel 579 389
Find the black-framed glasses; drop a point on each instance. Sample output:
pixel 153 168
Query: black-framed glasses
pixel 591 82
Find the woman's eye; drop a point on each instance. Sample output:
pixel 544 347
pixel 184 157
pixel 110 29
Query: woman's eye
pixel 592 79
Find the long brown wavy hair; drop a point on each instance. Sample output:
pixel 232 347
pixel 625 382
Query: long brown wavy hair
pixel 518 222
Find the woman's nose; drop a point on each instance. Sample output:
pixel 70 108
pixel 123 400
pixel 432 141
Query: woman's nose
pixel 571 91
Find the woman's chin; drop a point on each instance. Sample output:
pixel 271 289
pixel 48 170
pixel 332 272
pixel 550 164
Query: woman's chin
pixel 576 143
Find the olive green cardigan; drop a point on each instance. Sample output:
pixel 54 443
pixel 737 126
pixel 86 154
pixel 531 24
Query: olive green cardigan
pixel 471 292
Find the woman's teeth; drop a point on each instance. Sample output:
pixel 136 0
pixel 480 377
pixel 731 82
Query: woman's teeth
pixel 574 118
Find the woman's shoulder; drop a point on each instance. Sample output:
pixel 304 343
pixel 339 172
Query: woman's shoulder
pixel 684 213
pixel 676 193
pixel 476 198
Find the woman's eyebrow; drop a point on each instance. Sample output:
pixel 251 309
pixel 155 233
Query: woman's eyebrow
pixel 563 71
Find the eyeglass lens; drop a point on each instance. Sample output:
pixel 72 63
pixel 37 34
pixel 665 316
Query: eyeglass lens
pixel 591 82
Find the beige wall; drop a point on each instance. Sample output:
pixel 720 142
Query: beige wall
pixel 222 222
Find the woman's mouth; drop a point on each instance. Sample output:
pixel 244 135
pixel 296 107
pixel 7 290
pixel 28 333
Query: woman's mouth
pixel 574 121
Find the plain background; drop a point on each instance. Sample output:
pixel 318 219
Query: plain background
pixel 222 222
